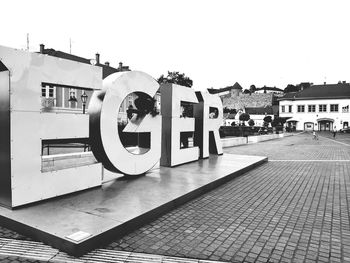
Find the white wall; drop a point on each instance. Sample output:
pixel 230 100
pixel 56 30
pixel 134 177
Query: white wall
pixel 302 117
pixel 259 119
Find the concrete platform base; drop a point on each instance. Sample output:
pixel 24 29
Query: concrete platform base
pixel 79 222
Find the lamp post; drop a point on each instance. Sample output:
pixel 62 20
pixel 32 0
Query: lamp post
pixel 84 98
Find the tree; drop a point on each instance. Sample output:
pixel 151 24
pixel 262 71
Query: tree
pixel 252 88
pixel 267 120
pixel 176 78
pixel 251 123
pixel 274 123
pixel 229 110
pixel 144 104
pixel 244 117
pixel 298 87
pixel 246 91
pixel 278 121
pixel 291 88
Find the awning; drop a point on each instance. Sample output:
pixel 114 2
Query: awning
pixel 325 119
pixel 291 120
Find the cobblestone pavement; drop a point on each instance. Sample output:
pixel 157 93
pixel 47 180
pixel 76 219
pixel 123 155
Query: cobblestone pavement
pixel 340 137
pixel 13 250
pixel 300 147
pixel 295 208
pixel 11 259
pixel 7 233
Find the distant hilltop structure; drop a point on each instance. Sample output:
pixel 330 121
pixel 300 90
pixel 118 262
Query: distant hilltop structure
pixel 233 98
pixel 266 89
pixel 257 102
pixel 234 90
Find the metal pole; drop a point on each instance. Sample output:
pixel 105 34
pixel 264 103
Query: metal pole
pixel 83 108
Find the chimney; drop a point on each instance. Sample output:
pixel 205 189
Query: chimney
pixel 120 65
pixel 324 83
pixel 97 58
pixel 107 63
pixel 42 47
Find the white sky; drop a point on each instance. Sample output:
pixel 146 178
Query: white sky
pixel 215 43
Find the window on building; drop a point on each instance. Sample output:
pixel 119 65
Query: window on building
pixel 51 91
pixel 334 107
pixel 311 108
pixel 48 91
pixel 73 102
pixel 290 108
pixel 63 97
pixel 43 92
pixel 283 108
pixel 72 94
pixel 48 94
pixel 301 108
pixel 322 108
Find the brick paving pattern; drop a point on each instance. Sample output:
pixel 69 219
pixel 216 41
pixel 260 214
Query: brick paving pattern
pixel 301 147
pixel 11 259
pixel 295 208
pixel 7 233
pixel 283 211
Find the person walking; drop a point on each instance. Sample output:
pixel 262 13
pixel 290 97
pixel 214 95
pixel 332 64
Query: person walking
pixel 334 132
pixel 315 137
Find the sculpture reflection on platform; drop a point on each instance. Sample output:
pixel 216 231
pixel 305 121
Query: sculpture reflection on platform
pixel 26 125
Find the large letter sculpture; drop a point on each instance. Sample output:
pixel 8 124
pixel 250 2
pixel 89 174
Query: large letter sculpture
pixel 104 107
pixel 173 125
pixel 27 126
pixel 24 124
pixel 208 123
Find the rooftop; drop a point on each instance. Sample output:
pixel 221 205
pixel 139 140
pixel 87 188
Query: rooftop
pixel 106 68
pixel 324 91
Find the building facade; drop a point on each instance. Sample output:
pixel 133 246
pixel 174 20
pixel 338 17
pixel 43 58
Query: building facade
pixel 320 107
pixel 258 114
pixel 60 98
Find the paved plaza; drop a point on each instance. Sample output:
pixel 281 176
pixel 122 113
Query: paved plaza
pixel 294 208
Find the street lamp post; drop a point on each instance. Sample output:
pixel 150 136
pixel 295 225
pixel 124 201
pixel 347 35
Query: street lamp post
pixel 84 98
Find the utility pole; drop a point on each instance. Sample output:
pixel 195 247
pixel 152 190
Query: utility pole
pixel 27 41
pixel 70 46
